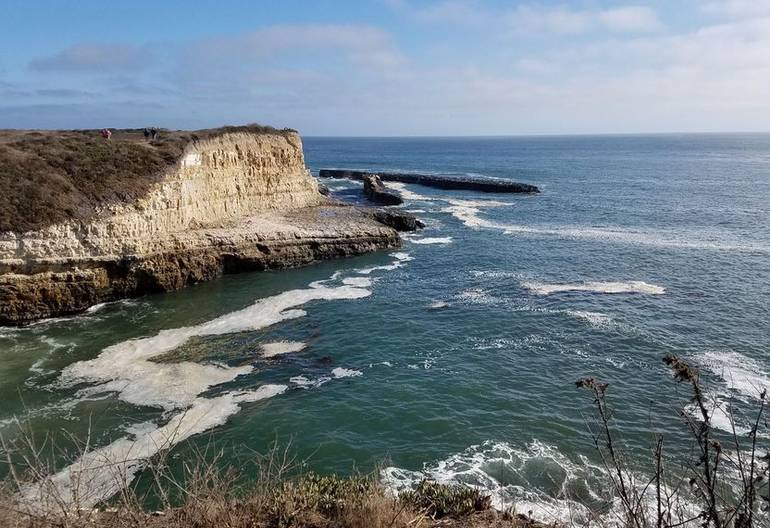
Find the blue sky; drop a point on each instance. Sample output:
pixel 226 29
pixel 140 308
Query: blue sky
pixel 389 67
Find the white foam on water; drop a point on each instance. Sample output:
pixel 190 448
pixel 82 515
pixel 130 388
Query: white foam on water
pixel 431 240
pixel 127 370
pixel 536 480
pixel 595 287
pixel 102 472
pixel 740 373
pixel 477 296
pixel 279 348
pixel 597 319
pixel 732 403
pixel 401 260
pixel 494 274
pixel 304 382
pixel 438 305
pixel 480 467
pixel 416 211
pixel 405 193
pixel 341 372
pixel 361 282
pixel 692 240
pixel 467 211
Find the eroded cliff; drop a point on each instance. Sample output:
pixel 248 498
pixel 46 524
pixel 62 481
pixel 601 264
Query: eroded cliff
pixel 233 201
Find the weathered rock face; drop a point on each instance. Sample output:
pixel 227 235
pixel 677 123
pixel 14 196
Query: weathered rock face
pixel 235 202
pixel 375 191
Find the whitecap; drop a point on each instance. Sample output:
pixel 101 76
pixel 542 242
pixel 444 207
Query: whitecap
pixel 740 373
pixel 595 287
pixel 593 318
pixel 405 193
pixel 432 240
pixel 537 480
pixel 401 260
pixel 438 305
pixel 341 372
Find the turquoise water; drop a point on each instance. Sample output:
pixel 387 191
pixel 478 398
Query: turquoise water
pixel 455 357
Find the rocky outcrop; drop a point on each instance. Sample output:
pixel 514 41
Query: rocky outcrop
pixel 375 191
pixel 233 202
pixel 471 183
pixel 398 220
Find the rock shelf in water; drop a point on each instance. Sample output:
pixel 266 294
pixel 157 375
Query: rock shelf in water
pixel 471 183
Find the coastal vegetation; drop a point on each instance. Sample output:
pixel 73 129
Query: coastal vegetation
pixel 209 494
pixel 51 176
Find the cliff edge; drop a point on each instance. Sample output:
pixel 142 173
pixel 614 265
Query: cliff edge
pixel 85 220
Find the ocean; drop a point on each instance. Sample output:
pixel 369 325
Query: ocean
pixel 454 358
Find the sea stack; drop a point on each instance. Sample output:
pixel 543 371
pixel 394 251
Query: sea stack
pixel 126 216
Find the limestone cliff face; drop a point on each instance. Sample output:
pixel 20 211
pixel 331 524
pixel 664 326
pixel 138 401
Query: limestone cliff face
pixel 238 201
pixel 216 182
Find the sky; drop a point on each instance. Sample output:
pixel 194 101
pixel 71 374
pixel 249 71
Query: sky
pixel 388 67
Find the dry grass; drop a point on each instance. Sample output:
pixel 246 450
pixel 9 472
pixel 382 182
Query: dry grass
pixel 52 176
pixel 209 494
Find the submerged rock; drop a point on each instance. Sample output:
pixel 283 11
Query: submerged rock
pixel 375 191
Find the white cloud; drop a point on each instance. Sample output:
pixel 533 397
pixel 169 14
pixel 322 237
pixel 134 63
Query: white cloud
pixel 360 44
pixel 630 18
pixel 737 8
pixel 620 76
pixel 564 20
pixel 95 58
pixel 457 12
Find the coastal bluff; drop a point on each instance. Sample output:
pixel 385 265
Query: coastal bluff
pixel 86 219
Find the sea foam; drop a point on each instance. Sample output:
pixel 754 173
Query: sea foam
pixel 279 348
pixel 595 287
pixel 432 240
pixel 536 480
pixel 127 369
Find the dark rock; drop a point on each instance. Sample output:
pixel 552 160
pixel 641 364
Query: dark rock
pixel 323 189
pixel 472 183
pixel 375 191
pixel 398 220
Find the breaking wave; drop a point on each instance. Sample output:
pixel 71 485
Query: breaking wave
pixel 431 240
pixel 536 480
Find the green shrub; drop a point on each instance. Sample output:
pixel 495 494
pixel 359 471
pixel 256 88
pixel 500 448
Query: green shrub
pixel 327 495
pixel 441 500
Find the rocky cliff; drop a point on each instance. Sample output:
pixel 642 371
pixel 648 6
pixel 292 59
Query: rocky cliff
pixel 231 201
